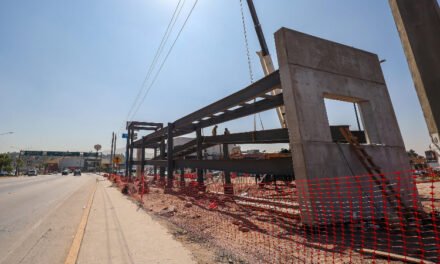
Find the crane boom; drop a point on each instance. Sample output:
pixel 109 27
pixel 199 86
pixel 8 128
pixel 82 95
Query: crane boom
pixel 266 59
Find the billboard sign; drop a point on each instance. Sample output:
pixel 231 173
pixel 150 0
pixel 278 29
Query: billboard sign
pixel 90 154
pixel 32 153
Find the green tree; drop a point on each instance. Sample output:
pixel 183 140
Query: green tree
pixel 9 168
pixel 412 153
pixel 20 163
pixel 5 162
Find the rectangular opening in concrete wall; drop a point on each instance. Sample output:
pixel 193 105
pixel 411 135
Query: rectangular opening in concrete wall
pixel 344 113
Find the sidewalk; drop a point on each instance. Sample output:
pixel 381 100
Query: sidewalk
pixel 119 232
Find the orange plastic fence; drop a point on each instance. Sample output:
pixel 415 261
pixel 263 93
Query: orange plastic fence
pixel 352 219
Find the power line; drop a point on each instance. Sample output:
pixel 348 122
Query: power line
pixel 159 50
pixel 166 57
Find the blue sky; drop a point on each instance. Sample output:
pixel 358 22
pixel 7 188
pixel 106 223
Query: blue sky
pixel 70 70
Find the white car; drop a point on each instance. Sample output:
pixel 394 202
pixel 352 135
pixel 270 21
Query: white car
pixel 32 173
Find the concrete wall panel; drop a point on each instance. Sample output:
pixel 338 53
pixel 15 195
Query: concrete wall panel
pixel 312 69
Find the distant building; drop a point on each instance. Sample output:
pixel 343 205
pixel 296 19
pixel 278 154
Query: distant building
pixel 432 159
pixel 71 163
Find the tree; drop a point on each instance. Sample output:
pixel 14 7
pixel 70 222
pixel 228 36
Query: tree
pixel 5 162
pixel 19 163
pixel 412 153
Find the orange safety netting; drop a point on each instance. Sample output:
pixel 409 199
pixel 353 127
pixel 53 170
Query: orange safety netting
pixel 351 219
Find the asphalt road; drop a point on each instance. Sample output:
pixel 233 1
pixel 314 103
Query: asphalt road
pixel 39 216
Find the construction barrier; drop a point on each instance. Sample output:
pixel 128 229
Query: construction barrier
pixel 354 219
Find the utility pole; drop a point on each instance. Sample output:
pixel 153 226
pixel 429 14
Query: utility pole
pixel 111 152
pixel 17 167
pixel 114 150
pixel 265 58
pixel 127 149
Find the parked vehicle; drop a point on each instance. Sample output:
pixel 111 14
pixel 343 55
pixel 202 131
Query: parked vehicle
pixel 77 172
pixel 32 173
pixel 3 173
pixel 65 172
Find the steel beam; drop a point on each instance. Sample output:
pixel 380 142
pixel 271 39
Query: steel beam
pixel 279 166
pixel 151 145
pixel 138 123
pixel 260 87
pixel 256 137
pixel 249 109
pixel 158 163
pixel 185 146
pixel 186 124
pixel 260 106
pixel 192 150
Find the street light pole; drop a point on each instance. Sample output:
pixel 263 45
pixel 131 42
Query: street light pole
pixel 17 167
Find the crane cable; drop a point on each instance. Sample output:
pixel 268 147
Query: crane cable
pixel 249 62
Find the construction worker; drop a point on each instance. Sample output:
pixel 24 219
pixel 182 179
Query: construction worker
pixel 214 130
pixel 227 131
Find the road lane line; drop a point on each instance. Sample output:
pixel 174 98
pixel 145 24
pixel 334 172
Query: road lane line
pixel 76 244
pixel 30 228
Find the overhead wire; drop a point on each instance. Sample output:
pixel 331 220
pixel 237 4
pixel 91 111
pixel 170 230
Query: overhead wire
pixel 159 50
pixel 166 57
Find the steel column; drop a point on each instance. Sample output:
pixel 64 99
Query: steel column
pixel 182 177
pixel 127 152
pixel 155 167
pixel 142 162
pixel 170 165
pixel 114 150
pixel 162 157
pixel 199 139
pixel 228 188
pixel 130 166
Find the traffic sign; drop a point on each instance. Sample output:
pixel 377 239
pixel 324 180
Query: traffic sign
pixel 55 153
pixel 62 154
pixel 72 154
pixel 90 154
pixel 97 147
pixel 124 135
pixel 117 159
pixel 32 153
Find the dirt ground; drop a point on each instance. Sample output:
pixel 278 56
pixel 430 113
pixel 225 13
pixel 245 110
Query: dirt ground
pixel 262 225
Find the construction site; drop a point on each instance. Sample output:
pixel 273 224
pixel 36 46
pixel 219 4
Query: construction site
pixel 335 195
pixel 286 132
